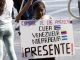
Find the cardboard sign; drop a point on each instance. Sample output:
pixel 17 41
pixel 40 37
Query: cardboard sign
pixel 46 38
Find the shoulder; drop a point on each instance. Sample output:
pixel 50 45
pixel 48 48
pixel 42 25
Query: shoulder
pixel 47 17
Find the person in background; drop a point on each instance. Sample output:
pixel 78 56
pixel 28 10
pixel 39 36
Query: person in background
pixel 39 11
pixel 28 14
pixel 6 29
pixel 35 14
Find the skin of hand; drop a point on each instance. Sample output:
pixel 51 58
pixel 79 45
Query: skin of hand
pixel 24 9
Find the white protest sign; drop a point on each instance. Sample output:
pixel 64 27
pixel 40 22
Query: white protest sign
pixel 46 38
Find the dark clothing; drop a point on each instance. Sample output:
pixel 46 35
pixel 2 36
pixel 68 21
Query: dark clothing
pixel 27 15
pixel 17 5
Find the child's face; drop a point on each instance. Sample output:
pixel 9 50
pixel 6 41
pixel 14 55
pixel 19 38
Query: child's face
pixel 38 12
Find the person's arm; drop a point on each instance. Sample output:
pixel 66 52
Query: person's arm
pixel 24 9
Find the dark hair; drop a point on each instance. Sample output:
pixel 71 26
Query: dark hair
pixel 36 4
pixel 2 4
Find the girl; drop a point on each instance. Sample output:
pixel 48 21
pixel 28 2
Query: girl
pixel 39 10
pixel 6 29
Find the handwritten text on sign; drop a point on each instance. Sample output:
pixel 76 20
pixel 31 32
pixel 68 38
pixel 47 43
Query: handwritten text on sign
pixel 46 38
